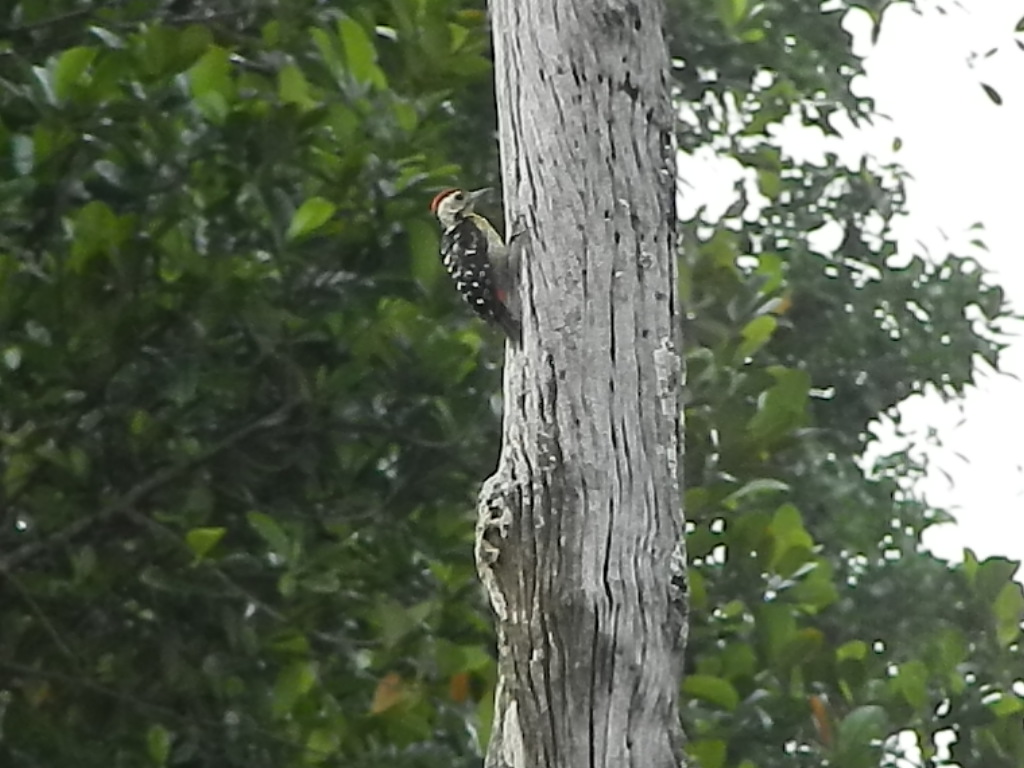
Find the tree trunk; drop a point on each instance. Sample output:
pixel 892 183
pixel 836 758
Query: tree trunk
pixel 579 539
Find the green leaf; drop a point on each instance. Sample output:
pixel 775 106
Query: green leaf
pixel 912 682
pixel 856 650
pixel 802 647
pixel 271 533
pixel 191 43
pixel 435 36
pixel 857 731
pixel 776 628
pixel 722 249
pixel 393 621
pixel 324 583
pixel 731 12
pixel 108 38
pixel 293 88
pixel 202 540
pixel 1009 611
pixel 738 660
pixel 769 183
pixel 1007 704
pixel 708 753
pixel 406 116
pixel 155 50
pixel 788 532
pixel 756 334
pixel 293 682
pixel 69 68
pixel 946 651
pixel 78 462
pixel 321 744
pixel 360 54
pixel 18 472
pixel 97 231
pixel 992 575
pixel 993 94
pixel 485 716
pixel 312 215
pixel 817 589
pixel 783 407
pixel 698 590
pixel 328 52
pixel 714 690
pixel 459 35
pixel 286 584
pixel 158 744
pixel 291 642
pixel 969 565
pixel 758 487
pixel 211 73
pixel 211 85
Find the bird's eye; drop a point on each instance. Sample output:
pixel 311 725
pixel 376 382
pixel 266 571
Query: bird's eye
pixel 458 195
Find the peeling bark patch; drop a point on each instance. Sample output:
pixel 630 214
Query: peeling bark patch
pixel 512 750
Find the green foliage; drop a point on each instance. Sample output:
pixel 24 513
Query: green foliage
pixel 850 633
pixel 242 417
pixel 238 439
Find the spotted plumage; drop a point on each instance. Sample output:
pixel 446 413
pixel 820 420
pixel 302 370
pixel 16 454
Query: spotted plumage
pixel 475 257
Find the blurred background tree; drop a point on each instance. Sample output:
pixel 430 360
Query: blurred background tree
pixel 243 416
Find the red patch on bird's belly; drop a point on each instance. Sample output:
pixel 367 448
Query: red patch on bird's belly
pixel 501 295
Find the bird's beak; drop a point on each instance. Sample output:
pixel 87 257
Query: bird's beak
pixel 476 194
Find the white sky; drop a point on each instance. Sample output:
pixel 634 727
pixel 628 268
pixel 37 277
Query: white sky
pixel 966 158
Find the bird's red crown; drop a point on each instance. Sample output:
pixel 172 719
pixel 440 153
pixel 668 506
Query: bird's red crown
pixel 439 197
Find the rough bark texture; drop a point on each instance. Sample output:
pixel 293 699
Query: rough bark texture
pixel 579 533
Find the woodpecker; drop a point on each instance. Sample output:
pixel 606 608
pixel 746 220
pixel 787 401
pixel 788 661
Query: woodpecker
pixel 476 257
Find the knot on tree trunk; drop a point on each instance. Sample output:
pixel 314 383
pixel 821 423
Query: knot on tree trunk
pixel 493 520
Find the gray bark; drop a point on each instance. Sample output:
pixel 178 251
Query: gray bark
pixel 579 537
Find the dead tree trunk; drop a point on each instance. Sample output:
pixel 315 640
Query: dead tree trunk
pixel 579 533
